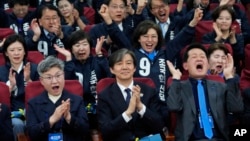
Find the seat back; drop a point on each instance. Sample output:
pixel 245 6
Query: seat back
pixel 212 6
pixel 88 28
pixel 173 7
pixel 5 32
pixel 2 60
pixel 204 27
pixel 248 12
pixel 33 56
pixel 245 73
pixel 245 79
pixel 105 82
pixel 35 88
pixel 215 5
pixel 4 94
pixel 247 57
pixel 89 13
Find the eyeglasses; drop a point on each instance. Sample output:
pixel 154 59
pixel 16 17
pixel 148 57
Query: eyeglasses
pixel 159 7
pixel 58 77
pixel 63 7
pixel 54 18
pixel 118 6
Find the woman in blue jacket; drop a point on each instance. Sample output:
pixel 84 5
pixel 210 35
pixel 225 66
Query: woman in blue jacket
pixel 88 69
pixel 16 73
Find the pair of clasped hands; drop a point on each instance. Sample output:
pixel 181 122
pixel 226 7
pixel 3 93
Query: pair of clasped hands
pixel 135 103
pixel 62 111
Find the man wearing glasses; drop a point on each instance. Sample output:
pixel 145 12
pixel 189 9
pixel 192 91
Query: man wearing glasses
pixel 47 30
pixel 56 113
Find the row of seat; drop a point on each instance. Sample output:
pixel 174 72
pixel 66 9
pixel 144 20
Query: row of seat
pixel 35 88
pixel 212 6
pixel 202 28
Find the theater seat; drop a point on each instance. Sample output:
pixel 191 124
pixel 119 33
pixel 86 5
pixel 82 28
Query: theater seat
pixel 33 56
pixel 204 27
pixel 4 32
pixel 245 73
pixel 89 13
pixel 4 94
pixel 105 82
pixel 212 6
pixel 2 61
pixel 35 88
pixel 88 28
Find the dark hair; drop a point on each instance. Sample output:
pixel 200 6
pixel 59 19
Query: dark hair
pixel 107 2
pixel 21 2
pixel 11 39
pixel 76 36
pixel 217 11
pixel 193 46
pixel 118 55
pixel 47 6
pixel 190 5
pixel 150 3
pixel 142 29
pixel 217 46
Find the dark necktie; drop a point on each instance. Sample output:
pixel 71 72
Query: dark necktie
pixel 203 111
pixel 128 95
pixel 50 36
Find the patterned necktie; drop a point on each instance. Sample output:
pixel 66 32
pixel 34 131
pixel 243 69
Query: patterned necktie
pixel 128 95
pixel 203 111
pixel 50 36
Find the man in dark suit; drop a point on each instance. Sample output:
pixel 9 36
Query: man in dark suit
pixel 6 132
pixel 56 113
pixel 122 115
pixel 46 30
pixel 184 98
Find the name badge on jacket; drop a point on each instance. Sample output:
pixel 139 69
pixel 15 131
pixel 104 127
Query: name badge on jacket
pixel 55 137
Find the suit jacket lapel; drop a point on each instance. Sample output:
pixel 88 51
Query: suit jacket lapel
pixel 212 97
pixel 45 106
pixel 117 97
pixel 189 94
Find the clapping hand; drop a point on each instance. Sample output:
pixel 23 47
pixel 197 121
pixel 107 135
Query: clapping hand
pixel 176 73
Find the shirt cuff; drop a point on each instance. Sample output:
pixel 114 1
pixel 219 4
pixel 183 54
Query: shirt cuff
pixel 142 111
pixel 126 117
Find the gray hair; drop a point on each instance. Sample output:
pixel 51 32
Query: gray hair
pixel 48 63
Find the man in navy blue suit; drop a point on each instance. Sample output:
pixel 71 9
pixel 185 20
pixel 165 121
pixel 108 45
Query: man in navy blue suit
pixel 123 114
pixel 55 113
